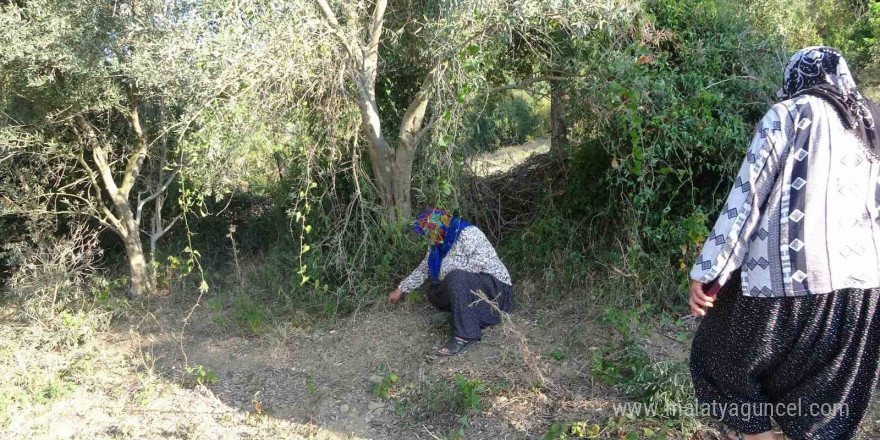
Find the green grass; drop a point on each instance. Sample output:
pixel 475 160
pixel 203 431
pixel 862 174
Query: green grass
pixel 446 403
pixel 201 376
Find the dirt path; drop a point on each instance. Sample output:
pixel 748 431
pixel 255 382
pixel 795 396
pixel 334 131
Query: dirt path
pixel 337 383
pixel 321 384
pixel 506 158
pixel 327 380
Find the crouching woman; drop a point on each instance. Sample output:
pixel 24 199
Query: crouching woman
pixel 467 277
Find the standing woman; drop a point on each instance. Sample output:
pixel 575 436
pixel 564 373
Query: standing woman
pixel 460 262
pixel 794 334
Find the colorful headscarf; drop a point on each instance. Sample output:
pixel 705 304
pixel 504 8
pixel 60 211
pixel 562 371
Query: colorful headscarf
pixel 822 71
pixel 442 229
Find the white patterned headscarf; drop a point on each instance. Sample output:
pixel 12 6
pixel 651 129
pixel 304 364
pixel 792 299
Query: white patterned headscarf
pixel 822 71
pixel 815 65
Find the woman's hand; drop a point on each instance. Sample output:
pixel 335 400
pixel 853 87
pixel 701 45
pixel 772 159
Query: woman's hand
pixel 699 300
pixel 395 296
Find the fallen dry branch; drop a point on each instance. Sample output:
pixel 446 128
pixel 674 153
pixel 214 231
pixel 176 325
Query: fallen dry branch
pixel 515 198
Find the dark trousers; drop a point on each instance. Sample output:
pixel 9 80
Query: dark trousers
pixel 811 352
pixel 470 312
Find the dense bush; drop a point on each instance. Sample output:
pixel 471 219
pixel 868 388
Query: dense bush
pixel 662 124
pixel 853 26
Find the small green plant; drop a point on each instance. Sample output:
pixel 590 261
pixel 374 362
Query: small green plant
pixel 557 354
pixel 499 388
pixel 382 388
pixel 555 432
pixel 249 317
pixel 623 427
pixel 585 430
pixel 310 383
pixel 449 404
pixel 147 393
pixel 55 389
pixel 6 401
pixel 416 297
pixel 201 375
pixel 470 393
pixel 664 385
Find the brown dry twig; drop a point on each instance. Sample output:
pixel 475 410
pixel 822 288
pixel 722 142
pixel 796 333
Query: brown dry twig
pixel 515 198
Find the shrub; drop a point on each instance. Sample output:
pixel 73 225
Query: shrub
pixel 662 126
pixel 58 286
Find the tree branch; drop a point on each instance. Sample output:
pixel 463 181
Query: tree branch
pixel 133 169
pixel 100 157
pixel 376 25
pixel 351 48
pixel 328 13
pixel 170 225
pixel 157 193
pixel 410 133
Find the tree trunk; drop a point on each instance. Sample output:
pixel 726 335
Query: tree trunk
pixel 379 152
pixel 411 132
pixel 402 179
pixel 157 226
pixel 141 279
pixel 391 169
pixel 123 220
pixel 157 230
pixel 558 129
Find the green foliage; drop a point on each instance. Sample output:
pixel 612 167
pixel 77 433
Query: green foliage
pixel 863 41
pixel 310 383
pixel 35 372
pixel 552 249
pixel 470 394
pixel 659 102
pixel 451 404
pixel 619 361
pixel 664 386
pixel 590 165
pixel 382 388
pixel 508 119
pixel 201 376
pixel 249 317
pixel 661 127
pixel 622 427
pixel 853 26
pixel 57 286
pixel 555 432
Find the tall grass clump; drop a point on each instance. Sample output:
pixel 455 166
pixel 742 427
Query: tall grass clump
pixel 58 287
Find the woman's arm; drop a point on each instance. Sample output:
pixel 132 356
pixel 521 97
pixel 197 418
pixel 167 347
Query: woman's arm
pixel 416 278
pixel 725 248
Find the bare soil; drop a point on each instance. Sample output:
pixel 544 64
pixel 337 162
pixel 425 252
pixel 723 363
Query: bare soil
pixel 320 383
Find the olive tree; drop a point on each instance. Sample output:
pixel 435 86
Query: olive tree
pixel 93 96
pixel 452 40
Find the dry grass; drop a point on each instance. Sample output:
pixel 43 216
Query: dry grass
pixel 300 383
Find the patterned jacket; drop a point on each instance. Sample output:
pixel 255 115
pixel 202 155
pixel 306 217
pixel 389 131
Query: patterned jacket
pixel 471 252
pixel 802 216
